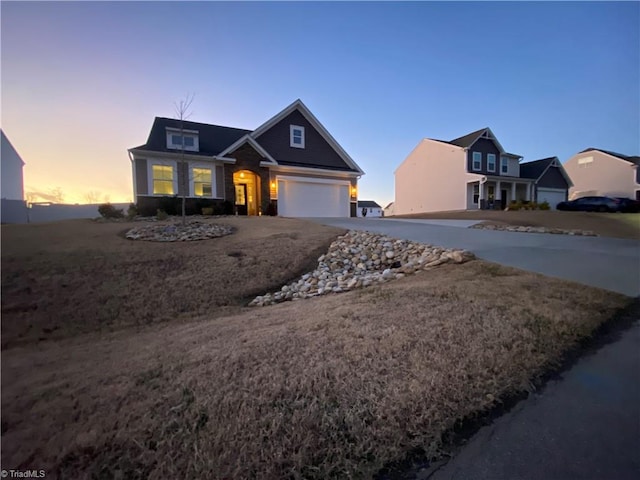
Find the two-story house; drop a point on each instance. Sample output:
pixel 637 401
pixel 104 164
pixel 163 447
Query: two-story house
pixel 470 172
pixel 13 208
pixel 604 173
pixel 290 165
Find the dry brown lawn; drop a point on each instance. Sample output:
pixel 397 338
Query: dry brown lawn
pixel 331 387
pixel 71 277
pixel 618 225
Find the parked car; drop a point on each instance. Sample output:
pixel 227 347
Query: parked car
pixel 629 205
pixel 592 204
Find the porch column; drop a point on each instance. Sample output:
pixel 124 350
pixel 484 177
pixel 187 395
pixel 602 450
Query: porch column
pixel 480 194
pixel 513 191
pixel 530 190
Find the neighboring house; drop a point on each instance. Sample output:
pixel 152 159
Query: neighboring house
pixel 389 210
pixel 597 172
pixel 371 207
pixel 469 172
pixel 290 165
pixel 550 180
pixel 12 165
pixel 13 208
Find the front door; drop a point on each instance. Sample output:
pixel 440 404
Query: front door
pixel 503 199
pixel 241 199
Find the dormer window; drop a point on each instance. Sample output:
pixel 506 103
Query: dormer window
pixel 296 136
pixel 187 139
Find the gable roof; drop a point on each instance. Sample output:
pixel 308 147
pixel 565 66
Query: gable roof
pixel 216 140
pixel 537 168
pixel 368 204
pixel 8 146
pixel 212 139
pixel 302 108
pixel 250 140
pixel 631 159
pixel 469 139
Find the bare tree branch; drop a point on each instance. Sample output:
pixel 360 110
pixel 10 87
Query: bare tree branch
pixel 183 113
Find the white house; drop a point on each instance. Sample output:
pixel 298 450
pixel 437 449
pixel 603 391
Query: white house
pixel 597 172
pixel 369 209
pixel 12 164
pixel 14 208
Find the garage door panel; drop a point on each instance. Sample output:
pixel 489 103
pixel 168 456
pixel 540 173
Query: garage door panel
pixel 553 197
pixel 309 199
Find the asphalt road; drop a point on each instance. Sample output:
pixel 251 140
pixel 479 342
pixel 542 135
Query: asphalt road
pixel 609 263
pixel 584 424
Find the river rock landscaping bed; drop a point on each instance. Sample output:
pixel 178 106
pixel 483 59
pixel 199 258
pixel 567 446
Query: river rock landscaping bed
pixel 523 229
pixel 179 233
pixel 361 259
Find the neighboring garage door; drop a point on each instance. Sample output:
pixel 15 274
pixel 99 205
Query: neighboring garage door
pixel 310 197
pixel 551 195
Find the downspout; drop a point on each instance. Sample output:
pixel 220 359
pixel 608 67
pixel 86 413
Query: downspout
pixel 483 180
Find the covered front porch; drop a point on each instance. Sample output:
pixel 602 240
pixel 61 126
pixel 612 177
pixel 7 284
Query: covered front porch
pixel 490 193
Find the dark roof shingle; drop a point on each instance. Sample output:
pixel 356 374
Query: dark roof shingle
pixel 467 140
pixel 535 168
pixel 212 139
pixel 368 204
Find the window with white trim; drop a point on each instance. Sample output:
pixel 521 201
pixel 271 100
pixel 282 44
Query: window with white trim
pixel 477 161
pixel 176 141
pixel 504 164
pixel 491 162
pixel 296 136
pixel 202 182
pixel 163 176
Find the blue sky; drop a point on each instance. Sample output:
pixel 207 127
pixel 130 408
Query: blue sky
pixel 81 82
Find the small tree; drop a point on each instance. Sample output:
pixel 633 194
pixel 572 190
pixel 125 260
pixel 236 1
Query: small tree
pixel 57 195
pixel 93 197
pixel 182 112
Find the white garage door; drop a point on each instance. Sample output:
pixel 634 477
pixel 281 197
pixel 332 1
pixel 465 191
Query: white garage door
pixel 302 197
pixel 551 195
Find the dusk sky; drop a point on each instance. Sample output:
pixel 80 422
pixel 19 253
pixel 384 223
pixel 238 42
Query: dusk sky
pixel 82 82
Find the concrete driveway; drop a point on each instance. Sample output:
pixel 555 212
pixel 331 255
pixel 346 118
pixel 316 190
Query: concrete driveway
pixel 609 263
pixel 586 423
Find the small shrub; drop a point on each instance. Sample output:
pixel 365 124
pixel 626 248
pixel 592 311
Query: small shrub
pixel 106 210
pixel 207 211
pixel 162 215
pixel 545 206
pixel 515 205
pixel 132 211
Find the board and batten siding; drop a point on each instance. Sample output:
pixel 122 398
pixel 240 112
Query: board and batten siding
pixel 485 147
pixel 552 179
pixel 316 153
pixel 142 182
